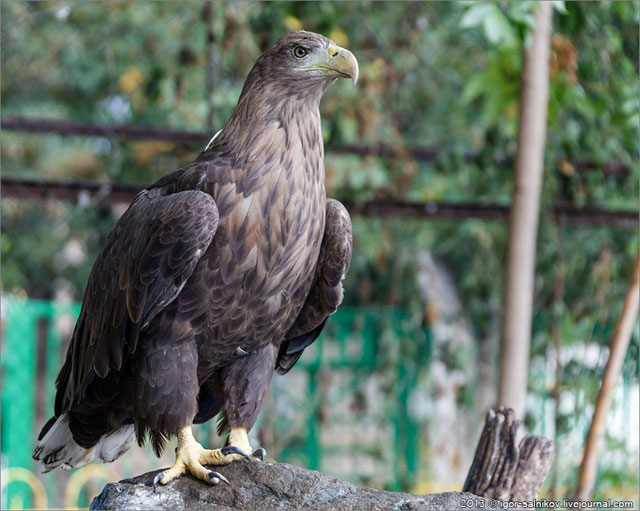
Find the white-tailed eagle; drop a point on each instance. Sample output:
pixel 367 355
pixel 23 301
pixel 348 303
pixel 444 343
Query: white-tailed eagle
pixel 216 275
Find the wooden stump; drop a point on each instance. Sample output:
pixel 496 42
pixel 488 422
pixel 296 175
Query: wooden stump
pixel 503 469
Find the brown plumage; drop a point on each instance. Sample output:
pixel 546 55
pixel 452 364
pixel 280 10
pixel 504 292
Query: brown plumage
pixel 217 275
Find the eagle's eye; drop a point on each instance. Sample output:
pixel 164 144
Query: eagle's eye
pixel 300 52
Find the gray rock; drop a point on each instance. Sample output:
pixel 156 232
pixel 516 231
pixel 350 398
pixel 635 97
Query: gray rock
pixel 259 485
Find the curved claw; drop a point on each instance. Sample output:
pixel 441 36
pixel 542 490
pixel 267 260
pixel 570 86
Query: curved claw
pixel 217 475
pixel 232 449
pixel 259 453
pixel 159 477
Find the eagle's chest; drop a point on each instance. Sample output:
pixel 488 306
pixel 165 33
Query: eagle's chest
pixel 272 232
pixel 260 265
pixel 272 211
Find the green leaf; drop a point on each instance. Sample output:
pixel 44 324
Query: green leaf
pixel 473 88
pixel 522 13
pixel 475 14
pixel 498 29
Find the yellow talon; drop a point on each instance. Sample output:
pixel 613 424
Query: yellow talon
pixel 191 456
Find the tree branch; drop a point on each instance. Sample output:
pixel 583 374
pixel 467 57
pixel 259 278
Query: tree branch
pixel 619 345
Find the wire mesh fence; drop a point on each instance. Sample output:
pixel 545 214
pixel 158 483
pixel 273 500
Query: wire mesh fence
pixel 336 411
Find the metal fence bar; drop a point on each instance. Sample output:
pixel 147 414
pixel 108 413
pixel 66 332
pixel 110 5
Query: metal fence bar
pixel 186 138
pixel 94 192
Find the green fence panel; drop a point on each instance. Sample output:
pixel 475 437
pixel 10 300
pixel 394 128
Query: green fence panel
pixel 351 343
pixel 355 338
pixel 19 361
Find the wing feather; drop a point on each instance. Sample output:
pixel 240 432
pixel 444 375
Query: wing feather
pixel 147 259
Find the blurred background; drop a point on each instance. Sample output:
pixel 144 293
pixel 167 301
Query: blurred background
pixel 99 99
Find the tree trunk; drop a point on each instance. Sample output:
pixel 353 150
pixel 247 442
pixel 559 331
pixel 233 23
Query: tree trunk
pixel 504 469
pixel 523 218
pixel 619 344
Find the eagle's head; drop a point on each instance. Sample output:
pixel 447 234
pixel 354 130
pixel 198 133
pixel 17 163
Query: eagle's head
pixel 286 83
pixel 309 56
pixel 303 63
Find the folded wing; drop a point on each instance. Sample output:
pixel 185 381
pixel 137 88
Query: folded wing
pixel 326 291
pixel 144 264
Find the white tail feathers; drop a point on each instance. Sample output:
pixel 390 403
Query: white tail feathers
pixel 58 448
pixel 115 444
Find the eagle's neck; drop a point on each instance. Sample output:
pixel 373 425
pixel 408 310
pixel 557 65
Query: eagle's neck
pixel 257 112
pixel 270 130
pixel 267 176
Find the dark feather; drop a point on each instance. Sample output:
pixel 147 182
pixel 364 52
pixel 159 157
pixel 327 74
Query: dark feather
pixel 291 350
pixel 144 290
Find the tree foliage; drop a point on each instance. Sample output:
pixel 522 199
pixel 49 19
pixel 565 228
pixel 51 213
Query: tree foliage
pixel 437 74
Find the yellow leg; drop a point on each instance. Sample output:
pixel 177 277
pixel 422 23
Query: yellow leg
pixel 239 438
pixel 191 456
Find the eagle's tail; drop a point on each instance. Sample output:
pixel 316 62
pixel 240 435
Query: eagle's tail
pixel 57 448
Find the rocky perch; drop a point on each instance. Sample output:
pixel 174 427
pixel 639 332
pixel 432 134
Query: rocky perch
pixel 259 485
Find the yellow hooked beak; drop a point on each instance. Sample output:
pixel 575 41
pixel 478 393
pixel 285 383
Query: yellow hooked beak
pixel 343 62
pixel 336 62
